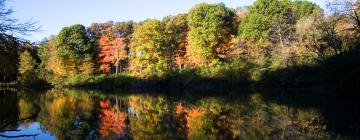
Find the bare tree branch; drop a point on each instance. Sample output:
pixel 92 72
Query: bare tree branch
pixel 12 26
pixel 346 9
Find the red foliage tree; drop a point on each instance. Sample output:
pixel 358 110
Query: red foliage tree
pixel 112 51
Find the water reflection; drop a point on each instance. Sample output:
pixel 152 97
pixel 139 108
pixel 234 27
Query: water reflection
pixel 81 114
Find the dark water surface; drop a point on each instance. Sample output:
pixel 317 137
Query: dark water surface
pixel 249 114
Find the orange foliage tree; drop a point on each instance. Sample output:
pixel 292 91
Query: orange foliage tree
pixel 112 51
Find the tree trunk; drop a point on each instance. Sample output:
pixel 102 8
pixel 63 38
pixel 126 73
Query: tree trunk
pixel 280 36
pixel 4 76
pixel 116 67
pixel 117 62
pixel 120 67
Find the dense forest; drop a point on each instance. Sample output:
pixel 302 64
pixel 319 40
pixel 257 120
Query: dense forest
pixel 291 43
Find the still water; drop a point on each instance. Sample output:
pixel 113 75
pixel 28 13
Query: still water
pixel 249 114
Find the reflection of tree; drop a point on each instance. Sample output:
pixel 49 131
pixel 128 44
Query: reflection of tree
pixel 66 116
pixel 255 116
pixel 8 104
pixel 28 106
pixel 263 120
pixel 180 119
pixel 112 121
pixel 198 124
pixel 252 118
pixel 151 118
pixel 26 109
pixel 209 120
pixel 71 115
pixel 19 110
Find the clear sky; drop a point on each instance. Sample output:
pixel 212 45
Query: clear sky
pixel 52 15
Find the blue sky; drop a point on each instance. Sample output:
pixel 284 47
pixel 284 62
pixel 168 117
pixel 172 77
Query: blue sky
pixel 52 15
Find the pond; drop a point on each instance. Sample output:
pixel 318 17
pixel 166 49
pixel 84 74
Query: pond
pixel 115 114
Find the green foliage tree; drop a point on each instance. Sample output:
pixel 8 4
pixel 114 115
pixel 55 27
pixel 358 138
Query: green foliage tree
pixel 73 47
pixel 303 9
pixel 256 23
pixel 211 27
pixel 66 117
pixel 27 68
pixel 268 17
pixel 124 29
pixel 70 53
pixel 148 49
pixel 176 30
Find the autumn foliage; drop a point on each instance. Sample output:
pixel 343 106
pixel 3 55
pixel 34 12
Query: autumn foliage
pixel 112 51
pixel 211 41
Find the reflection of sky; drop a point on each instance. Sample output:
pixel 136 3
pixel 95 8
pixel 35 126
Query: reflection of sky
pixel 52 15
pixel 33 128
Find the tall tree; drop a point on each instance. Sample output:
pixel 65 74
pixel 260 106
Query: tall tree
pixel 256 23
pixel 322 34
pixel 303 8
pixel 27 68
pixel 111 53
pixel 110 37
pixel 125 30
pixel 211 27
pixel 176 31
pixel 274 20
pixel 101 28
pixel 69 53
pixel 148 51
pixel 73 48
pixel 50 66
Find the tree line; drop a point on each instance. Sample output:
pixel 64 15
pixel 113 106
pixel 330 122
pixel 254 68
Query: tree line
pixel 211 39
